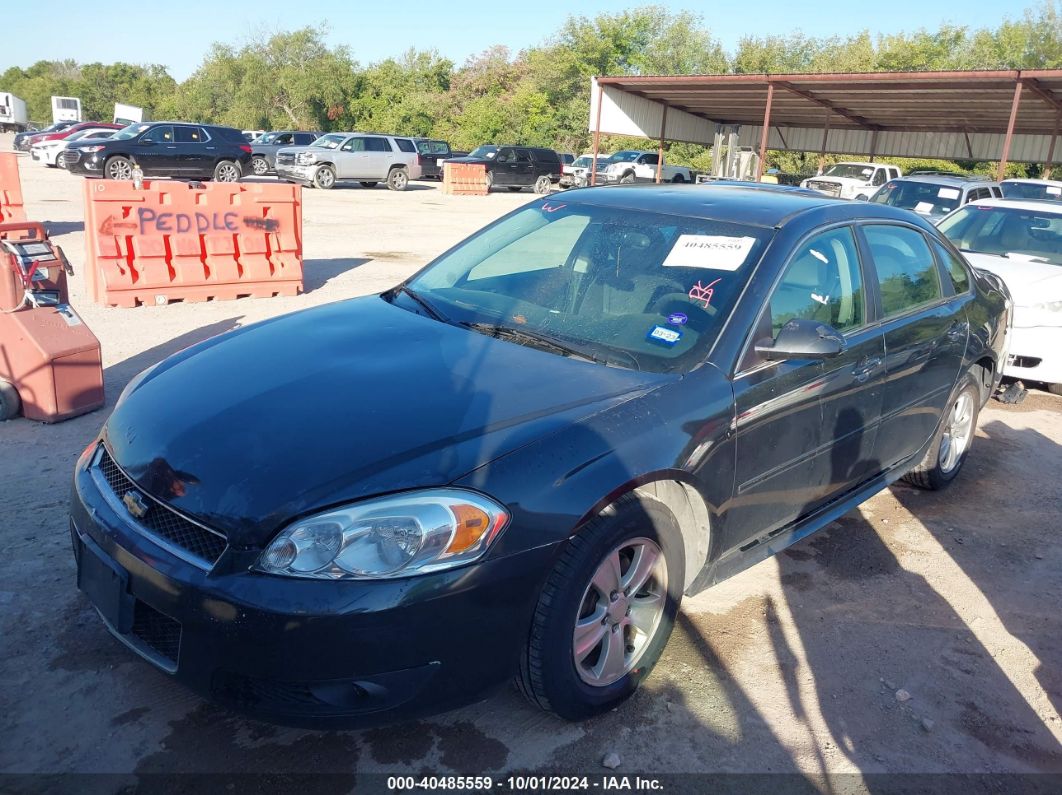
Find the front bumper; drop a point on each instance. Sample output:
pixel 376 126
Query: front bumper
pixel 304 652
pixel 78 162
pixel 296 173
pixel 1035 354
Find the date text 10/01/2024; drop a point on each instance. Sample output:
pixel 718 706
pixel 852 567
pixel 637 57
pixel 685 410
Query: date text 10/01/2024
pixel 524 783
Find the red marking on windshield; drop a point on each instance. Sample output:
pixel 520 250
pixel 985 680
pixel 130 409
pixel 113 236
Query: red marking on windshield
pixel 703 292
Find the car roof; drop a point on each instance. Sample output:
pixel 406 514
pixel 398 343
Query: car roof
pixel 947 179
pixel 1022 204
pixel 764 205
pixel 1031 181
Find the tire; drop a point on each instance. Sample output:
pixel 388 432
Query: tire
pixel 227 171
pixel 627 178
pixel 543 185
pixel 946 454
pixel 10 402
pixel 259 166
pixel 489 179
pixel 325 178
pixel 118 168
pixel 678 178
pixel 516 188
pixel 369 184
pixel 551 676
pixel 397 179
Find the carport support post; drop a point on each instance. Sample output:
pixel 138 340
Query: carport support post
pixel 825 136
pixel 597 134
pixel 1049 165
pixel 660 149
pixel 1010 131
pixel 766 131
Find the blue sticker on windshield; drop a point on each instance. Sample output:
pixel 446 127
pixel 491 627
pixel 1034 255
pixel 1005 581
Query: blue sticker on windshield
pixel 666 336
pixel 677 319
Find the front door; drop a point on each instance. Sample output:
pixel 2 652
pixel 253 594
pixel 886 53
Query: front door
pixel 806 428
pixel 350 158
pixel 193 156
pixel 925 331
pixel 157 151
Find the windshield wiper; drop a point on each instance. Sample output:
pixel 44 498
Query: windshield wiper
pixel 423 302
pixel 532 340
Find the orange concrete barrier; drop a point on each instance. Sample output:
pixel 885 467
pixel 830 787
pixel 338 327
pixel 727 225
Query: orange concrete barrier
pixel 465 179
pixel 11 210
pixel 172 241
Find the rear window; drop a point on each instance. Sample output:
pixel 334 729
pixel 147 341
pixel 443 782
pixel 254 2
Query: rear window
pixel 227 134
pixel 932 199
pixel 405 145
pixel 545 154
pixel 433 147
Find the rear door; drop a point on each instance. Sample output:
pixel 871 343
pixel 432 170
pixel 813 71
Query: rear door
pixel 806 428
pixel 192 153
pixel 157 152
pixel 925 330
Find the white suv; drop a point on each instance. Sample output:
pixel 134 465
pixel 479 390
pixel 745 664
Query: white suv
pixel 368 158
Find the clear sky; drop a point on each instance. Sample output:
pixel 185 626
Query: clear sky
pixel 178 33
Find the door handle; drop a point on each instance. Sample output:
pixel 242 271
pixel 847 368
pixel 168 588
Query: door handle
pixel 865 367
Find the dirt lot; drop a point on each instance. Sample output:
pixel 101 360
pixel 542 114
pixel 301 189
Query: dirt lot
pixel 793 667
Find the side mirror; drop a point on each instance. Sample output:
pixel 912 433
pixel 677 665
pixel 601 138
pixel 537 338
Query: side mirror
pixel 804 339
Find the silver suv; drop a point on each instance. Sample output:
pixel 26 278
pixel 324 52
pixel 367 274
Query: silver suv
pixel 368 158
pixel 935 194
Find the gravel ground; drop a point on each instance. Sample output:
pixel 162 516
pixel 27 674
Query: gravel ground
pixel 919 634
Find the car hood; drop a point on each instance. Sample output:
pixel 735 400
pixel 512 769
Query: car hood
pixel 1029 282
pixel 839 181
pixel 251 429
pixel 476 160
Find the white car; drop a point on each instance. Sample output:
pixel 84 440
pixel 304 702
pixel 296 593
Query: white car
pixel 852 180
pixel 1046 189
pixel 1021 242
pixel 50 152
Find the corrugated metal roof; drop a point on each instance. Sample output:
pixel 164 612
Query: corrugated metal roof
pixel 961 115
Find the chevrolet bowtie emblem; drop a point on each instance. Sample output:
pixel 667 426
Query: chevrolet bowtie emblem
pixel 136 503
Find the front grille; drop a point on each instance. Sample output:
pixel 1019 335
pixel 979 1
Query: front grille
pixel 160 633
pixel 161 520
pixel 70 156
pixel 285 159
pixel 829 188
pixel 252 693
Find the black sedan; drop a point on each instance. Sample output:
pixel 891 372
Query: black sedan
pixel 516 463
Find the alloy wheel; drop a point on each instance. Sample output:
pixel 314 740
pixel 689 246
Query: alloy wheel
pixel 957 432
pixel 119 169
pixel 620 612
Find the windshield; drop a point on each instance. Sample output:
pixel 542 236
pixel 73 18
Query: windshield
pixel 925 198
pixel 75 136
pixel 1010 232
pixel 850 171
pixel 583 162
pixel 633 289
pixel 1032 190
pixel 330 141
pixel 132 131
pixel 626 156
pixel 488 151
pixel 266 138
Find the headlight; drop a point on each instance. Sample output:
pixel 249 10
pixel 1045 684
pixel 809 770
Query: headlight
pixel 91 148
pixel 306 158
pixel 397 536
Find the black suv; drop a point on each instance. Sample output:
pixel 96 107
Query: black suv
pixel 516 167
pixel 164 149
pixel 264 148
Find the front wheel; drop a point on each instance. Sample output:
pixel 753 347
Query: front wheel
pixel 678 178
pixel 543 185
pixel 9 400
pixel 118 167
pixel 397 179
pixel 259 165
pixel 325 178
pixel 606 610
pixel 227 171
pixel 627 178
pixel 947 452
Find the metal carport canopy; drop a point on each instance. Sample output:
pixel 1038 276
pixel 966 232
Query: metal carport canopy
pixel 972 115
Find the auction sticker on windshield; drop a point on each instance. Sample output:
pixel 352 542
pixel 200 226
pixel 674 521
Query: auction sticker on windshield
pixel 718 252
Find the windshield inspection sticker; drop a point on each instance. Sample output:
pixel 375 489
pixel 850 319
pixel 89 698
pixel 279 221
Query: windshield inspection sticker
pixel 677 319
pixel 703 293
pixel 948 193
pixel 717 252
pixel 667 336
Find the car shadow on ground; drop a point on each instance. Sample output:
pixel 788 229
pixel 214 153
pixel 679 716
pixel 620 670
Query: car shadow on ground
pixel 316 273
pixel 56 228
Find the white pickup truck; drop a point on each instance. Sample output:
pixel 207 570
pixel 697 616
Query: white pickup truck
pixel 631 165
pixel 852 180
